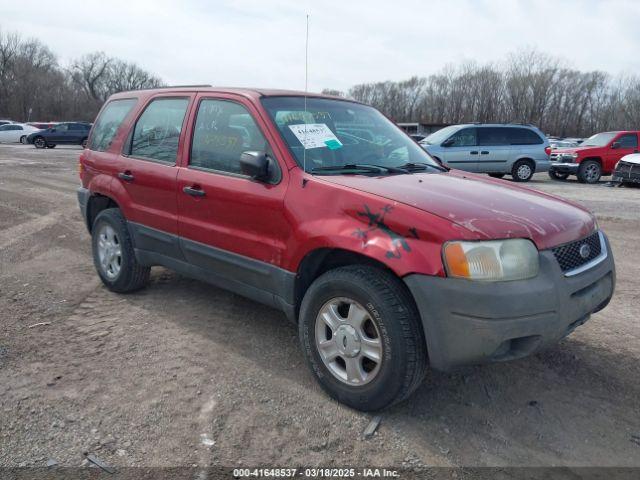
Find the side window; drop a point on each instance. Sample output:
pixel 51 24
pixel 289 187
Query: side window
pixel 157 132
pixel 63 127
pixel 464 138
pixel 4 128
pixel 628 140
pixel 523 136
pixel 223 130
pixel 493 136
pixel 108 123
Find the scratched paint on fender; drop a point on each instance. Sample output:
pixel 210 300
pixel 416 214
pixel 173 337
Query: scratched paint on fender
pixel 376 222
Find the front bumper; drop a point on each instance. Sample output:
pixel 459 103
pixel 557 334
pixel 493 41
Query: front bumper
pixel 564 167
pixel 469 322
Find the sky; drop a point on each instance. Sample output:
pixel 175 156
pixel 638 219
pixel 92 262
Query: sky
pixel 262 43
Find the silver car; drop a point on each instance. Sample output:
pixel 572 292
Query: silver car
pixel 496 149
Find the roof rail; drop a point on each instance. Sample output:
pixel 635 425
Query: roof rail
pixel 186 86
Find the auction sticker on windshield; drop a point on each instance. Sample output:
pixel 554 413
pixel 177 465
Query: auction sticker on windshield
pixel 315 135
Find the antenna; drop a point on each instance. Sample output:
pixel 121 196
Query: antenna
pixel 306 86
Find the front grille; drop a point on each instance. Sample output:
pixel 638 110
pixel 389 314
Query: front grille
pixel 561 157
pixel 569 257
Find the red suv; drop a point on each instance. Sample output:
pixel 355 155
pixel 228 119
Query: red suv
pixel 323 208
pixel 596 156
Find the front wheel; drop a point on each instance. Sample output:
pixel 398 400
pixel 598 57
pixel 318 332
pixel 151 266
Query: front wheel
pixel 362 337
pixel 523 170
pixel 113 254
pixel 39 142
pixel 589 172
pixel 83 143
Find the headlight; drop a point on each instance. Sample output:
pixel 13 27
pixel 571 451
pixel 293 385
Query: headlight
pixel 498 260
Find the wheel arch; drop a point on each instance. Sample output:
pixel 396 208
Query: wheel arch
pixel 95 204
pixel 321 260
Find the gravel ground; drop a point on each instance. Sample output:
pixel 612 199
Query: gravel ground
pixel 184 374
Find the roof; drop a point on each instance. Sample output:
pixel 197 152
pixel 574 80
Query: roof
pixel 252 93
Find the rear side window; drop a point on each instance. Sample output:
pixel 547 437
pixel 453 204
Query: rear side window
pixel 523 136
pixel 108 122
pixel 629 140
pixel 157 132
pixel 493 136
pixel 464 138
pixel 224 130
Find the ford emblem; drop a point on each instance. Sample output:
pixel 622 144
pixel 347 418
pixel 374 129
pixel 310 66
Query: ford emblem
pixel 585 250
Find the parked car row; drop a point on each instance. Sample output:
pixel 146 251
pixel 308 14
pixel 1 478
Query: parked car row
pixel 44 134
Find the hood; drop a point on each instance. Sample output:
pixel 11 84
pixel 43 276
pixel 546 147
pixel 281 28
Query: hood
pixel 490 209
pixel 632 158
pixel 575 149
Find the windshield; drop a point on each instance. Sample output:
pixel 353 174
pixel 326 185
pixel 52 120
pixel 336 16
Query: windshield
pixel 441 135
pixel 335 133
pixel 599 139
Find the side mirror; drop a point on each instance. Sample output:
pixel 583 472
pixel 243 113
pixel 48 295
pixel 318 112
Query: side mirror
pixel 448 142
pixel 255 164
pixel 615 145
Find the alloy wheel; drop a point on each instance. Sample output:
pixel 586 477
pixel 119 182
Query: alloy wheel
pixel 109 252
pixel 348 341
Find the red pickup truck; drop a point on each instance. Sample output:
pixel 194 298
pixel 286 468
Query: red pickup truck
pixel 323 208
pixel 596 156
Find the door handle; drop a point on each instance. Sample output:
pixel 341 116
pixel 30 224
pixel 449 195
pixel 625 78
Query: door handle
pixel 194 191
pixel 484 152
pixel 474 152
pixel 126 176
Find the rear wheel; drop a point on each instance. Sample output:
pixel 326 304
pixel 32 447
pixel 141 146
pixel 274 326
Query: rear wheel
pixel 23 139
pixel 39 142
pixel 523 170
pixel 589 172
pixel 84 143
pixel 557 175
pixel 496 175
pixel 113 254
pixel 362 337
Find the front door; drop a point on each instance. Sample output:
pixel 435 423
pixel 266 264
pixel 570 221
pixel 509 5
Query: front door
pixel 147 171
pixel 625 144
pixel 230 224
pixel 461 150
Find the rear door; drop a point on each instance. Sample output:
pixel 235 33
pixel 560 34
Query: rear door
pixel 494 145
pixel 228 223
pixel 147 171
pixel 463 152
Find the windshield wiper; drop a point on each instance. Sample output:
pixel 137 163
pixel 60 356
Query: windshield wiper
pixel 360 167
pixel 415 166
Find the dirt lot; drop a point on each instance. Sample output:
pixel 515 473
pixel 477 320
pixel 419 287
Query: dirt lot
pixel 182 373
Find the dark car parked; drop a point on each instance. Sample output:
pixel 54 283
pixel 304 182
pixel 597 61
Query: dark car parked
pixel 69 133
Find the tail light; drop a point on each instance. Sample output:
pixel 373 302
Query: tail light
pixel 547 150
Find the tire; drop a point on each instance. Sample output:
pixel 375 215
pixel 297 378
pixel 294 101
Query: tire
pixel 23 139
pixel 523 170
pixel 558 176
pixel 83 143
pixel 51 145
pixel 496 175
pixel 39 142
pixel 390 320
pixel 123 273
pixel 590 171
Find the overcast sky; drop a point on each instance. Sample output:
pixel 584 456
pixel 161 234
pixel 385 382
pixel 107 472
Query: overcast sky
pixel 261 43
